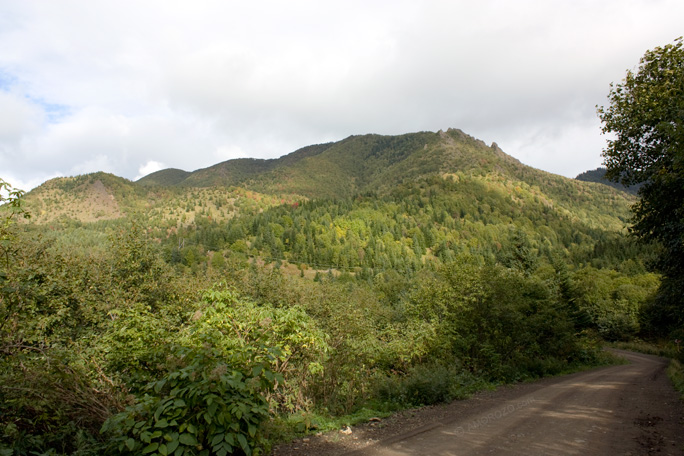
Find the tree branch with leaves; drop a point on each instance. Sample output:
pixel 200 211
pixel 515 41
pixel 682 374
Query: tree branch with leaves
pixel 11 207
pixel 645 121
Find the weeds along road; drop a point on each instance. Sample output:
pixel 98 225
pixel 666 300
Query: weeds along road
pixel 629 409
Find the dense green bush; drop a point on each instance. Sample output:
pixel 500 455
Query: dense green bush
pixel 205 406
pixel 427 384
pixel 614 302
pixel 493 319
pixel 50 404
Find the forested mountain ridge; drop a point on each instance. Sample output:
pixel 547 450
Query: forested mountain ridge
pixel 356 165
pixel 598 175
pixel 363 205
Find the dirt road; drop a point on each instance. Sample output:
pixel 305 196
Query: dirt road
pixel 620 410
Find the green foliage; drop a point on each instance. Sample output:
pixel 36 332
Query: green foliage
pixel 675 372
pixel 495 321
pixel 59 310
pixel 285 340
pixel 11 207
pixel 134 344
pixel 645 117
pixel 430 383
pixel 137 268
pixel 235 362
pixel 204 406
pixel 612 301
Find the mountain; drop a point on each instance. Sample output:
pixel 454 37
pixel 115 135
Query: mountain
pixel 354 165
pixel 364 164
pixel 231 172
pixel 165 177
pixel 87 198
pixel 598 175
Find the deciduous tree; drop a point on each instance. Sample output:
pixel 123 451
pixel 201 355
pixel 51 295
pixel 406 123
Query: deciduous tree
pixel 645 117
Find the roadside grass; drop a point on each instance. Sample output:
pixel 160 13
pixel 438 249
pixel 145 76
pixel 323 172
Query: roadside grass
pixel 676 373
pixel 286 428
pixel 423 387
pixel 675 370
pixel 664 349
pixel 604 358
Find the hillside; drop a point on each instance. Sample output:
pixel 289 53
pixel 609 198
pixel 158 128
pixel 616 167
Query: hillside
pixel 598 175
pixel 87 198
pixel 231 172
pixel 362 205
pixel 357 164
pixel 165 177
pixel 367 164
pixel 102 197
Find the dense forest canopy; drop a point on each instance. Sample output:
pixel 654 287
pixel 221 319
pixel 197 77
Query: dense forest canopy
pixel 215 311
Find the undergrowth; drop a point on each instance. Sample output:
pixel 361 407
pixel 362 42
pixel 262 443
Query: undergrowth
pixel 675 372
pixel 422 386
pixel 672 350
pixel 664 349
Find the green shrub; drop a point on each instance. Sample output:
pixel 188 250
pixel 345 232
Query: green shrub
pixel 617 327
pixel 541 367
pixel 50 405
pixel 676 373
pixel 286 340
pixel 206 406
pixel 429 384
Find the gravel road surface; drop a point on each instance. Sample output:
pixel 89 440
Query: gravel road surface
pixel 629 409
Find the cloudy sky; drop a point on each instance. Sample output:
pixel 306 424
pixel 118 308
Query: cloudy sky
pixel 130 87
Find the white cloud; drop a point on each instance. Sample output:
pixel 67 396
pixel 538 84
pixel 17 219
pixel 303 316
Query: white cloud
pixel 116 86
pixel 149 168
pixel 569 150
pixel 228 152
pixel 18 118
pixel 27 184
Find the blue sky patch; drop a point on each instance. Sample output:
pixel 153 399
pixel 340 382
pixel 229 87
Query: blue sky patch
pixel 53 111
pixel 7 80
